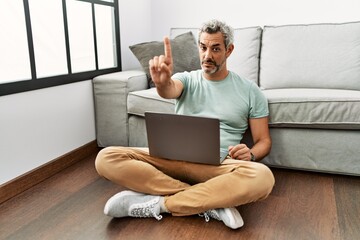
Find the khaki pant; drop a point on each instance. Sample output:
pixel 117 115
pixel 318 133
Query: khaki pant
pixel 188 188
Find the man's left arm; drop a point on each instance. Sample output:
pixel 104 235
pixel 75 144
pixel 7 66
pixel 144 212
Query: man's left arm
pixel 259 126
pixel 261 136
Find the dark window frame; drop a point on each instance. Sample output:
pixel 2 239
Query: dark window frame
pixel 38 83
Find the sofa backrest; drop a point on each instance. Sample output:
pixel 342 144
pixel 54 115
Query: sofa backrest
pixel 311 56
pixel 245 58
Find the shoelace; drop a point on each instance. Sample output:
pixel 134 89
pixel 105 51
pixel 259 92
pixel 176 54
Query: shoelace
pixel 146 210
pixel 210 214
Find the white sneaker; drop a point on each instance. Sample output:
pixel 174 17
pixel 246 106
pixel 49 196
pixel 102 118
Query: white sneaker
pixel 133 204
pixel 230 216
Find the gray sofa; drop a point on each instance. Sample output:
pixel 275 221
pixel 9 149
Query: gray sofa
pixel 310 75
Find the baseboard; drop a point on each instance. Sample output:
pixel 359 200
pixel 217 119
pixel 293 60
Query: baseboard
pixel 37 175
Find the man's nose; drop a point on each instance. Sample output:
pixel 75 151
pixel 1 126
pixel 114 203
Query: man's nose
pixel 208 53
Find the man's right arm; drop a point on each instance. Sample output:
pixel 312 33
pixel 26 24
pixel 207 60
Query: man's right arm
pixel 172 90
pixel 161 68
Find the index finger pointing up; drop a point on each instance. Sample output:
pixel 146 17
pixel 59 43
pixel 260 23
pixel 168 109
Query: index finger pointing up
pixel 167 47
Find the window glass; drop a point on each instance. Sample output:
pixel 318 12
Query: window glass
pixel 47 23
pixel 81 36
pixel 105 36
pixel 46 43
pixel 14 51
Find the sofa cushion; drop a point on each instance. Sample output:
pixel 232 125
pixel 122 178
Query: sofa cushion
pixel 311 56
pixel 184 50
pixel 148 100
pixel 245 58
pixel 314 108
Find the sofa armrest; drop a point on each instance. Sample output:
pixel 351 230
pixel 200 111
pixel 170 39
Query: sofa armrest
pixel 110 96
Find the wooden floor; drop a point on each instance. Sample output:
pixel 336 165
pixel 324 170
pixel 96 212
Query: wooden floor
pixel 69 205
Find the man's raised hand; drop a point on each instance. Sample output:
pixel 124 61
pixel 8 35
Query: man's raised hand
pixel 161 67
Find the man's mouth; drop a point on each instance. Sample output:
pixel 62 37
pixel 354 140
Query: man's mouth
pixel 209 62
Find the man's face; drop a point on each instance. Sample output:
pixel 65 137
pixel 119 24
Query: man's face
pixel 213 53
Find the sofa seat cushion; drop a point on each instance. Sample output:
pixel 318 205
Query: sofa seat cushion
pixel 314 108
pixel 148 100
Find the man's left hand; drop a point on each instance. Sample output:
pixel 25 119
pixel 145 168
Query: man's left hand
pixel 240 152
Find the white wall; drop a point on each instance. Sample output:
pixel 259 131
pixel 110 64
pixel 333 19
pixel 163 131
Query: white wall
pixel 39 126
pixel 165 14
pixel 135 27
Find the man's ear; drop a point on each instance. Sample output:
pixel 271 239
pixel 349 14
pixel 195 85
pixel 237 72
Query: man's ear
pixel 229 50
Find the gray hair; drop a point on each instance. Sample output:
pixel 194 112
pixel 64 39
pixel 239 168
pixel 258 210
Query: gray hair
pixel 214 26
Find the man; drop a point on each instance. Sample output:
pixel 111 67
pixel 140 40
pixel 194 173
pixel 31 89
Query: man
pixel 182 188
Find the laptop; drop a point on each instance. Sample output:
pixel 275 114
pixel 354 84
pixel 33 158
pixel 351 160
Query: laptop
pixel 185 138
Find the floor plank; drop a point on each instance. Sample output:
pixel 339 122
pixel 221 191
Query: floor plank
pixel 347 191
pixel 69 205
pixel 295 200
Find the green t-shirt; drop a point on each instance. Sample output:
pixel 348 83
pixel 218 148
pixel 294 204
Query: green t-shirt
pixel 232 100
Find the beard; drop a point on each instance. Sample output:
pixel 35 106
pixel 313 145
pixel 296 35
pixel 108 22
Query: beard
pixel 208 69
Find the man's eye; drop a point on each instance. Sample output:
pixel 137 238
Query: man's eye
pixel 202 48
pixel 216 49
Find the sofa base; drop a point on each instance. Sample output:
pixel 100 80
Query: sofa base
pixel 330 151
pixel 319 150
pixel 137 130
